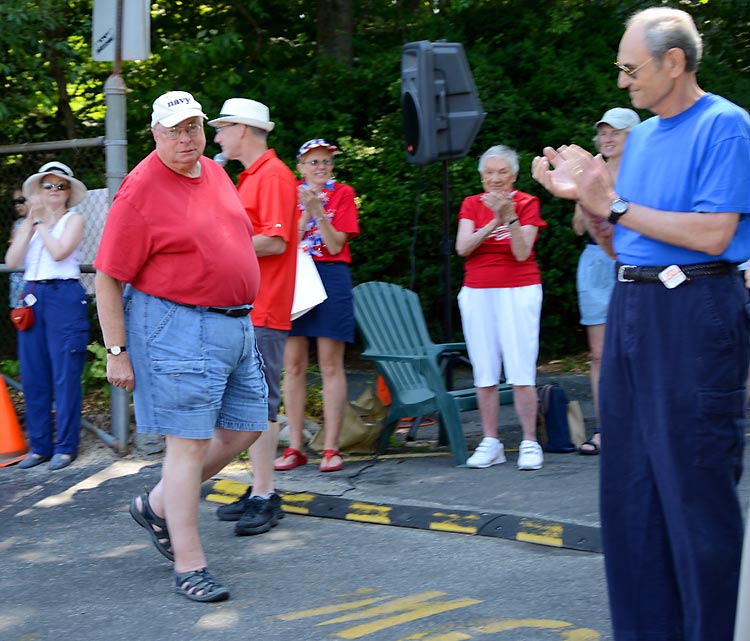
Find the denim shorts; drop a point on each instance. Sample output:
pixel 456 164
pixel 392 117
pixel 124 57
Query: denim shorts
pixel 595 280
pixel 194 370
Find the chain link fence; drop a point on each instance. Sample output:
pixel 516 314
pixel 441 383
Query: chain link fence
pixel 17 162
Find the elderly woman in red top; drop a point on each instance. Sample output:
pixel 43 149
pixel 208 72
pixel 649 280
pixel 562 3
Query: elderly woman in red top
pixel 327 222
pixel 501 301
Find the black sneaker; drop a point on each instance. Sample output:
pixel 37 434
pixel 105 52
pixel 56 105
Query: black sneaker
pixel 234 511
pixel 260 516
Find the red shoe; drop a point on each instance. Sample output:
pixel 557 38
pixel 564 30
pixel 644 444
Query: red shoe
pixel 327 456
pixel 297 459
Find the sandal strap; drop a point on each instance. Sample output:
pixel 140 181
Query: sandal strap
pixel 196 581
pixel 290 451
pixel 331 453
pixel 152 517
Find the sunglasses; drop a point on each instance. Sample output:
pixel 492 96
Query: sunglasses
pixel 19 201
pixel 57 186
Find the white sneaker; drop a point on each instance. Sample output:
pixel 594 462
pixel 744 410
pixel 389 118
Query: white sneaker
pixel 489 452
pixel 530 456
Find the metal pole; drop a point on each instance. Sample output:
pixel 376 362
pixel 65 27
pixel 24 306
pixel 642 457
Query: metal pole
pixel 446 249
pixel 116 153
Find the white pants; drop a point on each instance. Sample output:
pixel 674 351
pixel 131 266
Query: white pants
pixel 501 330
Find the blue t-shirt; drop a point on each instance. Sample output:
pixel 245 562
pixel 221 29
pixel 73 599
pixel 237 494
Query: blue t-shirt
pixel 697 161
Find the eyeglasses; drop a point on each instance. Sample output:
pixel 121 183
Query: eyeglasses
pixel 57 186
pixel 630 71
pixel 326 162
pixel 19 201
pixel 220 127
pixel 173 133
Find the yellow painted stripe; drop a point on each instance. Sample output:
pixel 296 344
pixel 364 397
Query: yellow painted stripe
pixel 430 610
pixel 532 531
pixel 577 634
pixel 452 522
pixel 329 609
pixel 539 539
pixel 582 634
pixel 302 497
pixel 291 509
pixel 450 527
pixel 227 486
pixel 297 503
pixel 449 636
pixel 369 513
pixel 396 605
pixel 504 625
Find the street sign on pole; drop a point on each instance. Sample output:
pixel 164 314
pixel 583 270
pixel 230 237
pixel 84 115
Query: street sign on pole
pixel 136 30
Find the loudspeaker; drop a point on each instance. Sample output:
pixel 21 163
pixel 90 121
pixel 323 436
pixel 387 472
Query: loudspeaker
pixel 441 110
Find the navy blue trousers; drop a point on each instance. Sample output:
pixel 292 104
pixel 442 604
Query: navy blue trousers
pixel 672 392
pixel 52 355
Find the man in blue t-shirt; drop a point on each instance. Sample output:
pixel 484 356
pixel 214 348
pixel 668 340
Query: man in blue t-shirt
pixel 676 349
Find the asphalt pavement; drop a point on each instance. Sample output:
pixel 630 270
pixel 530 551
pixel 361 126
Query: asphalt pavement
pixel 408 544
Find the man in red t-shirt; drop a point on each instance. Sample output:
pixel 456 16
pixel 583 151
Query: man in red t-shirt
pixel 268 192
pixel 176 277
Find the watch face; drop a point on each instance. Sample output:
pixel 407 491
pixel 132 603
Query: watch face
pixel 115 350
pixel 618 206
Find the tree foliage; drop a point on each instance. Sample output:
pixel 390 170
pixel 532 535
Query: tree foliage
pixel 332 69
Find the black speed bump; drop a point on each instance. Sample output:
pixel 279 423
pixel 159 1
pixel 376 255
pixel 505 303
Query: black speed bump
pixel 505 526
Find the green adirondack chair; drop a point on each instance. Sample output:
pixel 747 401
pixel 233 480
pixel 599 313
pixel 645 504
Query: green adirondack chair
pixel 392 324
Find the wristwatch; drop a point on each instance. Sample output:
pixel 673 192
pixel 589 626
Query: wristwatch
pixel 116 350
pixel 617 208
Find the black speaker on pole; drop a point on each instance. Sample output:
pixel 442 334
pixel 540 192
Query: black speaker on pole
pixel 441 110
pixel 442 115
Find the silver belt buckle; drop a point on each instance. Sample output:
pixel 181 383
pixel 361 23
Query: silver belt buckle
pixel 621 274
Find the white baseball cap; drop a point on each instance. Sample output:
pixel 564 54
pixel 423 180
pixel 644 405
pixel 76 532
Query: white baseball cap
pixel 619 118
pixel 173 107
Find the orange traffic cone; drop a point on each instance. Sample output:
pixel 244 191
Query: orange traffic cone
pixel 13 446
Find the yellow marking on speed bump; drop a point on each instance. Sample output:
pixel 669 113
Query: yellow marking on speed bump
pixel 418 613
pixel 230 491
pixel 297 503
pixel 329 609
pixel 454 523
pixel 369 513
pixel 449 636
pixel 538 532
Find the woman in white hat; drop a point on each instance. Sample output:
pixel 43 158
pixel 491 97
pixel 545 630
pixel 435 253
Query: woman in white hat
pixel 595 277
pixel 52 352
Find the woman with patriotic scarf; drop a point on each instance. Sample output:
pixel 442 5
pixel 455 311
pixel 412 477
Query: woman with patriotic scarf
pixel 328 220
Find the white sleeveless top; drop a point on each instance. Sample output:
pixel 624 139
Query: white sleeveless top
pixel 40 264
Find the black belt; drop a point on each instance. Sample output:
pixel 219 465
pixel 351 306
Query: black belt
pixel 50 281
pixel 233 312
pixel 634 274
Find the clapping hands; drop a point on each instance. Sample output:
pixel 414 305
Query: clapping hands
pixel 572 172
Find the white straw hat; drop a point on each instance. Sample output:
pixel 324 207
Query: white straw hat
pixel 244 112
pixel 33 184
